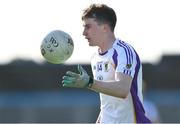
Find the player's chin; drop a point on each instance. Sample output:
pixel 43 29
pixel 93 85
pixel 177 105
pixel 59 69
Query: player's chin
pixel 90 42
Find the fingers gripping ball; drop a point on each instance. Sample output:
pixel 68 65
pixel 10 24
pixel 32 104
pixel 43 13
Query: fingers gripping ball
pixel 57 47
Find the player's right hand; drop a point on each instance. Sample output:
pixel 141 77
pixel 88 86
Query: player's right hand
pixel 72 79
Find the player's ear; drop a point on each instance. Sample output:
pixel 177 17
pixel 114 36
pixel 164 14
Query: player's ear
pixel 105 27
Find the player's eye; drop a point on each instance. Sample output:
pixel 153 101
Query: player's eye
pixel 87 26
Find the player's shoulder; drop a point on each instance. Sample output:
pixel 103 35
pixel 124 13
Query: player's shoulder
pixel 125 50
pixel 121 46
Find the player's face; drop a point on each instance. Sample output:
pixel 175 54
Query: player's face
pixel 92 31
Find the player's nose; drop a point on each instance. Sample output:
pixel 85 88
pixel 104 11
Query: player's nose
pixel 84 32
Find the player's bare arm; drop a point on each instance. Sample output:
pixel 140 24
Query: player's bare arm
pixel 119 88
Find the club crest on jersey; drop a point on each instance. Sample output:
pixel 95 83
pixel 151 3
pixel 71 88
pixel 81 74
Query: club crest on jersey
pixel 106 66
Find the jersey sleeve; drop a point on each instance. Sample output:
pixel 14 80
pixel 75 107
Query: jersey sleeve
pixel 126 62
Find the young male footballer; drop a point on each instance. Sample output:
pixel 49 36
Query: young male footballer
pixel 116 67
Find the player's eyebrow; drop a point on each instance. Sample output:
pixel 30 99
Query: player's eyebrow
pixel 86 25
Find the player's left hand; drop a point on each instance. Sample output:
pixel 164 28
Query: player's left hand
pixel 80 80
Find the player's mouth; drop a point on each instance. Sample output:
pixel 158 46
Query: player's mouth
pixel 88 39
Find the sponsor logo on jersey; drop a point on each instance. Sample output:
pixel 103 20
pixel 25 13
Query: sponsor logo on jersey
pixel 100 77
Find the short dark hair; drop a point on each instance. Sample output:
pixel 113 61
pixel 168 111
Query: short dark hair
pixel 102 14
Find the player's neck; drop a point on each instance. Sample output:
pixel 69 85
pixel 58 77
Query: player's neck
pixel 107 43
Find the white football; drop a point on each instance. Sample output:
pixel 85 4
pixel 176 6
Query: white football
pixel 57 47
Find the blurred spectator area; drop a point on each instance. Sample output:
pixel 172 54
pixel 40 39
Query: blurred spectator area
pixel 63 106
pixel 32 92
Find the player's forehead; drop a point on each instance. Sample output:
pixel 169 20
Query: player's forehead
pixel 89 21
